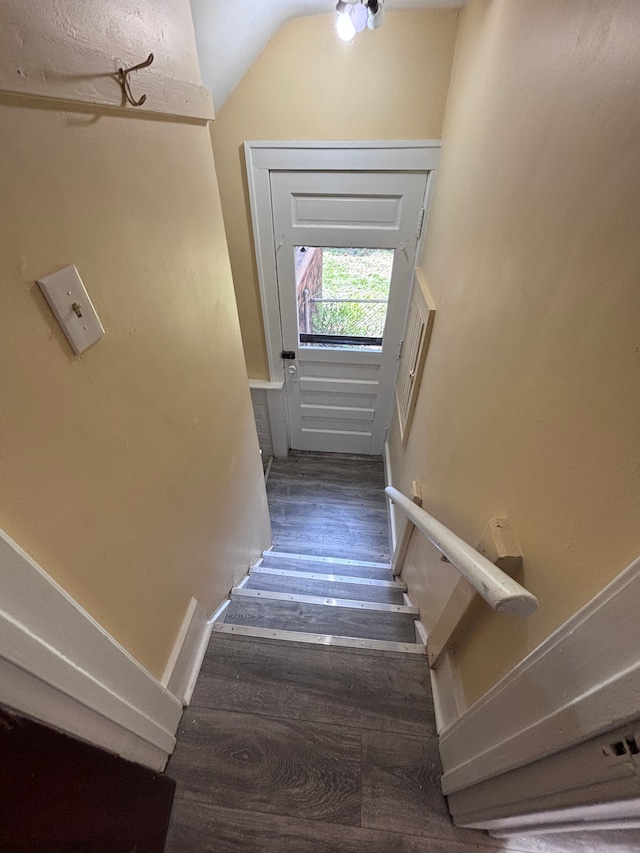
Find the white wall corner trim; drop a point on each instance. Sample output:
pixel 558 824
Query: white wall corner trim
pixel 183 666
pixel 581 682
pixel 449 702
pixel 59 666
pixel 265 385
pixel 277 412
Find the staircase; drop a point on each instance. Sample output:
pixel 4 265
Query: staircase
pixel 323 600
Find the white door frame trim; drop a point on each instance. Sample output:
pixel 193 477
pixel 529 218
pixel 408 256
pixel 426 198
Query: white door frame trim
pixel 265 156
pixel 59 666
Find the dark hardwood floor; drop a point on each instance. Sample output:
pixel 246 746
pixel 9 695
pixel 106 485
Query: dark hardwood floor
pixel 289 747
pixel 331 505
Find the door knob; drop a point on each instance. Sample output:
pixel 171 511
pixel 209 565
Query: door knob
pixel 292 369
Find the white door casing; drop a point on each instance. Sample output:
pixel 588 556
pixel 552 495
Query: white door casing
pixel 339 399
pixel 263 158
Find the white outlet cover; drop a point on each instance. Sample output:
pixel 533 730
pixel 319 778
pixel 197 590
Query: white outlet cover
pixel 69 301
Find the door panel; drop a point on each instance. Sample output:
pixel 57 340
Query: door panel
pixel 316 397
pixel 339 394
pixel 315 211
pixel 327 370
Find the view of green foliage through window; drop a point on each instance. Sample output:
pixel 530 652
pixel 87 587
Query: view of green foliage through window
pixel 346 294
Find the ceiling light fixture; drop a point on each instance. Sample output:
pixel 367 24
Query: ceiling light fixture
pixel 355 15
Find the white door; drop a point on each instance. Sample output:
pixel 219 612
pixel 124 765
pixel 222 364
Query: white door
pixel 345 252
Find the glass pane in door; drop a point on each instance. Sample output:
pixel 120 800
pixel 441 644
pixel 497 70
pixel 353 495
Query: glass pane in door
pixel 342 295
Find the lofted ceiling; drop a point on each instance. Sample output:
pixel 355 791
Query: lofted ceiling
pixel 231 33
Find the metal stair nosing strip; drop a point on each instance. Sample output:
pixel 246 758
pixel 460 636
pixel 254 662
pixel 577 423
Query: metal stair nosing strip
pixel 310 558
pixel 319 639
pixel 268 595
pixel 320 576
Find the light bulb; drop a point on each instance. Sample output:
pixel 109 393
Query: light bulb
pixel 345 27
pixel 376 20
pixel 359 15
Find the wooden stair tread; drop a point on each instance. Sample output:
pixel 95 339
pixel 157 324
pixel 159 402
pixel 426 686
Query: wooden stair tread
pixel 273 560
pixel 322 619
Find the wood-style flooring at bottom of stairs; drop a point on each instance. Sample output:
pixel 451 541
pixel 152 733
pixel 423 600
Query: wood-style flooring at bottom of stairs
pixel 291 748
pixel 329 504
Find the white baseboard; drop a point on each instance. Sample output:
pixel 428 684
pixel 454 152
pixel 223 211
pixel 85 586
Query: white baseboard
pixel 588 783
pixel 576 826
pixel 34 697
pixel 59 666
pixel 580 682
pixel 623 814
pixel 183 666
pixel 276 404
pixel 449 701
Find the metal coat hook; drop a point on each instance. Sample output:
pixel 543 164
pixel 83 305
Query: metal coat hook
pixel 123 75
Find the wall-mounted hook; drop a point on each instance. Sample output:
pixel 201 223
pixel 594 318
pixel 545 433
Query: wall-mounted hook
pixel 123 74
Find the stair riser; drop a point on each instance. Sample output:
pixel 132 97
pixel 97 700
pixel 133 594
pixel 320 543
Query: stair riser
pixel 316 558
pixel 329 568
pixel 327 601
pixel 301 586
pixel 325 641
pixel 321 576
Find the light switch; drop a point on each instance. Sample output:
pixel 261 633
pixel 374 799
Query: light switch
pixel 69 301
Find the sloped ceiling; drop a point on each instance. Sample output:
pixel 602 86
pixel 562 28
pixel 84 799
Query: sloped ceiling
pixel 231 33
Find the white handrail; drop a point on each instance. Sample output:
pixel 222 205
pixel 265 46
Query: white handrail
pixel 500 591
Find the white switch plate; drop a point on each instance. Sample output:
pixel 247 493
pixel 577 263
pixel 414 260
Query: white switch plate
pixel 69 301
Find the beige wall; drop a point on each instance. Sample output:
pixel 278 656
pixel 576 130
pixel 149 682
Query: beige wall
pixel 530 402
pixel 307 84
pixel 132 473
